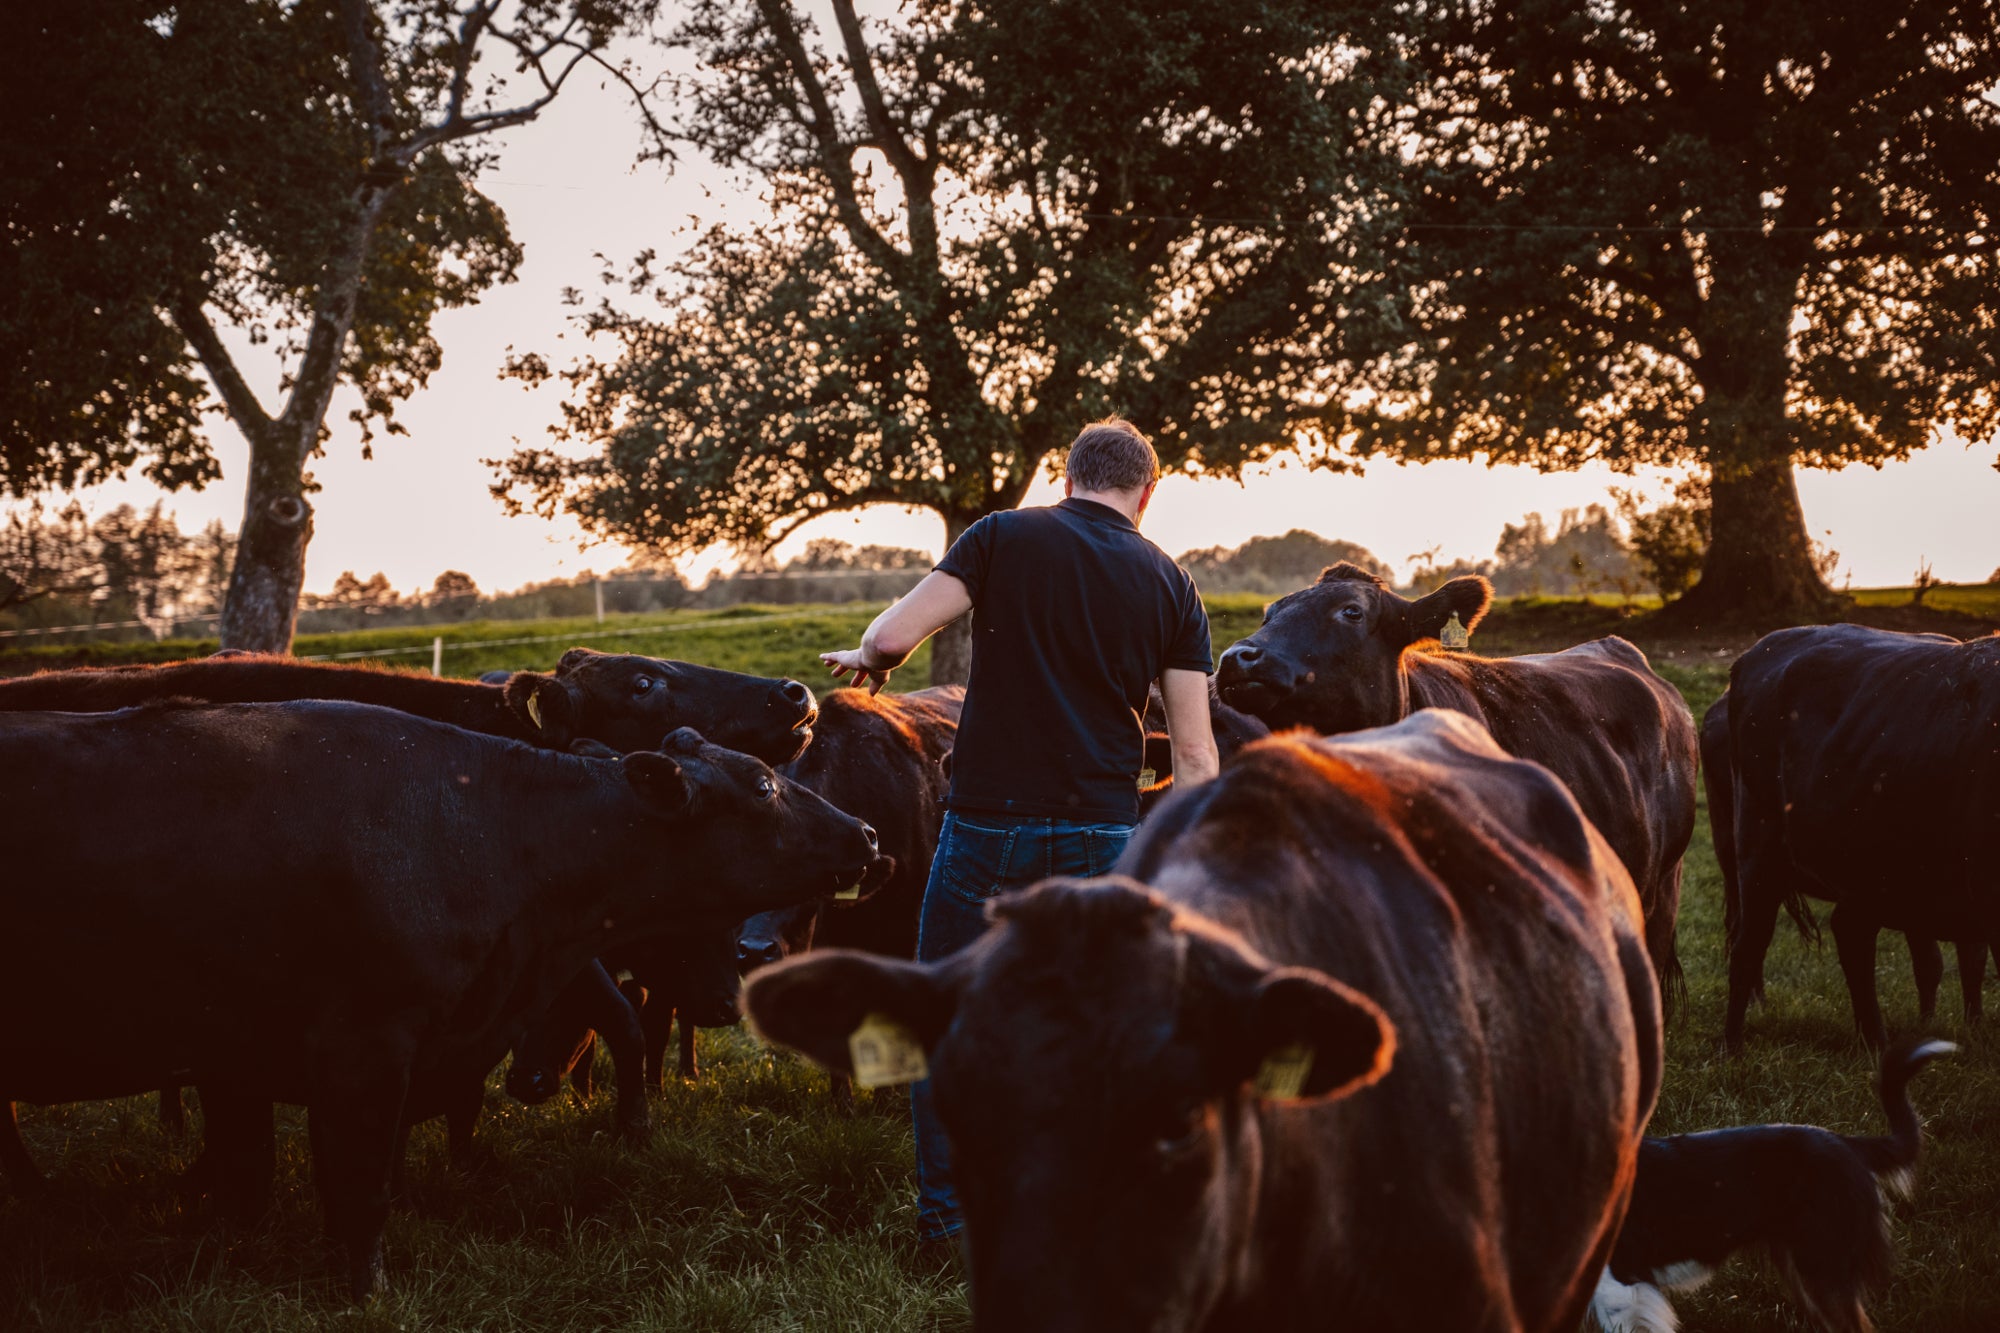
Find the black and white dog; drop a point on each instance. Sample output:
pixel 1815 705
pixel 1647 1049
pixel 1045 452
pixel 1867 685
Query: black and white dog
pixel 1813 1199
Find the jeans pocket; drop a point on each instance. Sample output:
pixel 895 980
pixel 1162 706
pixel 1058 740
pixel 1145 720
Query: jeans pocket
pixel 973 859
pixel 1104 844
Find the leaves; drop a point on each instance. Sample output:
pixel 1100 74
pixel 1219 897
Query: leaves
pixel 987 227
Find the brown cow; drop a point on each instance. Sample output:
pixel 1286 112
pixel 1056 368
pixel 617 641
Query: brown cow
pixel 1096 1056
pixel 1348 653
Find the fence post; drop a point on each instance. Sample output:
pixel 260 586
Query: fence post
pixel 598 586
pixel 437 655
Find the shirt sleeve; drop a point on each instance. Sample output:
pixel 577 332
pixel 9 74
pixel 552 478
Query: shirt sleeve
pixel 971 556
pixel 1193 649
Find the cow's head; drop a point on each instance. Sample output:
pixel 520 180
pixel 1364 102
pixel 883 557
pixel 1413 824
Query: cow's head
pixel 1096 1060
pixel 1330 656
pixel 772 937
pixel 628 702
pixel 740 837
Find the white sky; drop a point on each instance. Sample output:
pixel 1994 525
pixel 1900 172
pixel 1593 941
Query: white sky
pixel 570 191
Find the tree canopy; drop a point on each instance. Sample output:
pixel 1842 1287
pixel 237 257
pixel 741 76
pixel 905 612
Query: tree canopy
pixel 300 172
pixel 988 226
pixel 1742 236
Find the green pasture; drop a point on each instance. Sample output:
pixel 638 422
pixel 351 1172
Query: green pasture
pixel 758 1206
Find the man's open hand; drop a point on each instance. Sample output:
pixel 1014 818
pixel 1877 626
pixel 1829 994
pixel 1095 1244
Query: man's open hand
pixel 855 660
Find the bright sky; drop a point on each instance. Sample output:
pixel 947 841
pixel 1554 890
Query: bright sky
pixel 570 191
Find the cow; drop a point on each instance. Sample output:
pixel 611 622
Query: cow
pixel 1866 767
pixel 374 902
pixel 624 702
pixel 1926 959
pixel 1231 729
pixel 879 757
pixel 613 701
pixel 1348 653
pixel 1417 935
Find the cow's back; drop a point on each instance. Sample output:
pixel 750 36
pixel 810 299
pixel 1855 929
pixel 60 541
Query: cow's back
pixel 1463 891
pixel 1878 756
pixel 252 860
pixel 1620 737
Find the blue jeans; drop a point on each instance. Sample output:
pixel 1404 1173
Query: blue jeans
pixel 978 857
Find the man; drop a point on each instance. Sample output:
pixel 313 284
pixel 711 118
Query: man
pixel 1076 616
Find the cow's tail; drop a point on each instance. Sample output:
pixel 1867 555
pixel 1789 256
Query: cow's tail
pixel 1802 915
pixel 1893 1157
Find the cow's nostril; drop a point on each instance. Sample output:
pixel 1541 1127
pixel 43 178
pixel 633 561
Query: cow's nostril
pixel 1244 654
pixel 758 955
pixel 798 694
pixel 868 832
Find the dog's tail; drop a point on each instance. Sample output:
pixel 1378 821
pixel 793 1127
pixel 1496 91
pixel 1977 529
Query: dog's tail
pixel 1893 1158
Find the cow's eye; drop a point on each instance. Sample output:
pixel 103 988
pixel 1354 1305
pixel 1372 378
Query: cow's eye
pixel 766 789
pixel 643 684
pixel 1350 613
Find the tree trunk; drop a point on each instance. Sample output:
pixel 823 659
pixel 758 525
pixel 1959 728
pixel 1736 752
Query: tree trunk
pixel 951 647
pixel 1759 567
pixel 270 568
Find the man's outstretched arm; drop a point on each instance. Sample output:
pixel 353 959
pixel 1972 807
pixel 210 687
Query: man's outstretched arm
pixel 1186 696
pixel 895 634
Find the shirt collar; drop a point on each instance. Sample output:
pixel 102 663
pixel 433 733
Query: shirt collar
pixel 1102 513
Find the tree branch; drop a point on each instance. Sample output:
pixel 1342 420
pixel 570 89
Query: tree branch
pixel 834 155
pixel 882 133
pixel 366 60
pixel 222 372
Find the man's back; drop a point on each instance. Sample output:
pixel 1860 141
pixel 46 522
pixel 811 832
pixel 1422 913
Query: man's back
pixel 1075 616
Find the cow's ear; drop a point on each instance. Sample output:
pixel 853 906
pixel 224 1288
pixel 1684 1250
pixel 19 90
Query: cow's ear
pixel 816 1004
pixel 574 658
pixel 660 780
pixel 543 706
pixel 1314 1037
pixel 1467 598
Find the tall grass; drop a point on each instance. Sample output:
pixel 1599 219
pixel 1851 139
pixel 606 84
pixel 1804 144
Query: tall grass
pixel 759 1206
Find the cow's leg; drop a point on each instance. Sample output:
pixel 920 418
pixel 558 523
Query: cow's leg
pixel 1763 882
pixel 461 1115
pixel 1663 915
pixel 20 1168
pixel 355 1121
pixel 1927 966
pixel 690 1068
pixel 238 1163
pixel 173 1112
pixel 656 1021
pixel 583 1073
pixel 1854 933
pixel 618 1025
pixel 1756 922
pixel 1972 955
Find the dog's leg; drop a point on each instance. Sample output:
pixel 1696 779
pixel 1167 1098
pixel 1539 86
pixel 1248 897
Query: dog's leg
pixel 1639 1307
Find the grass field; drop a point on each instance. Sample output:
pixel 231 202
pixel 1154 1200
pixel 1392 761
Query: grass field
pixel 759 1207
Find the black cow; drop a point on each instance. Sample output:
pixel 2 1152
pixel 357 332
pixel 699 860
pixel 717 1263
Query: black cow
pixel 880 758
pixel 1926 959
pixel 595 698
pixel 625 702
pixel 1096 1056
pixel 1348 653
pixel 374 902
pixel 1232 731
pixel 1866 768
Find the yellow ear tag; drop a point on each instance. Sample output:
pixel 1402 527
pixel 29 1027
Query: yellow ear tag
pixel 1283 1073
pixel 1454 636
pixel 885 1053
pixel 535 712
pixel 1147 777
pixel 850 893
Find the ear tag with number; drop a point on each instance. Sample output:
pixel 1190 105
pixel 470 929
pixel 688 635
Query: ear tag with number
pixel 1454 636
pixel 850 893
pixel 1282 1076
pixel 885 1053
pixel 1147 777
pixel 535 711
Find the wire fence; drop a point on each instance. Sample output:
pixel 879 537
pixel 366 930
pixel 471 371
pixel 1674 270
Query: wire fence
pixel 440 645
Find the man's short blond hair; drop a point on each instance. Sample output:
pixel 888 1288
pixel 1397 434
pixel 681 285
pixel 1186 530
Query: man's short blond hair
pixel 1111 455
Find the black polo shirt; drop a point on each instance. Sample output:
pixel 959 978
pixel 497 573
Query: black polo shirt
pixel 1075 615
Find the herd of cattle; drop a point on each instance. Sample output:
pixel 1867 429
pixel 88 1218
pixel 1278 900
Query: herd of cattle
pixel 1371 1022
